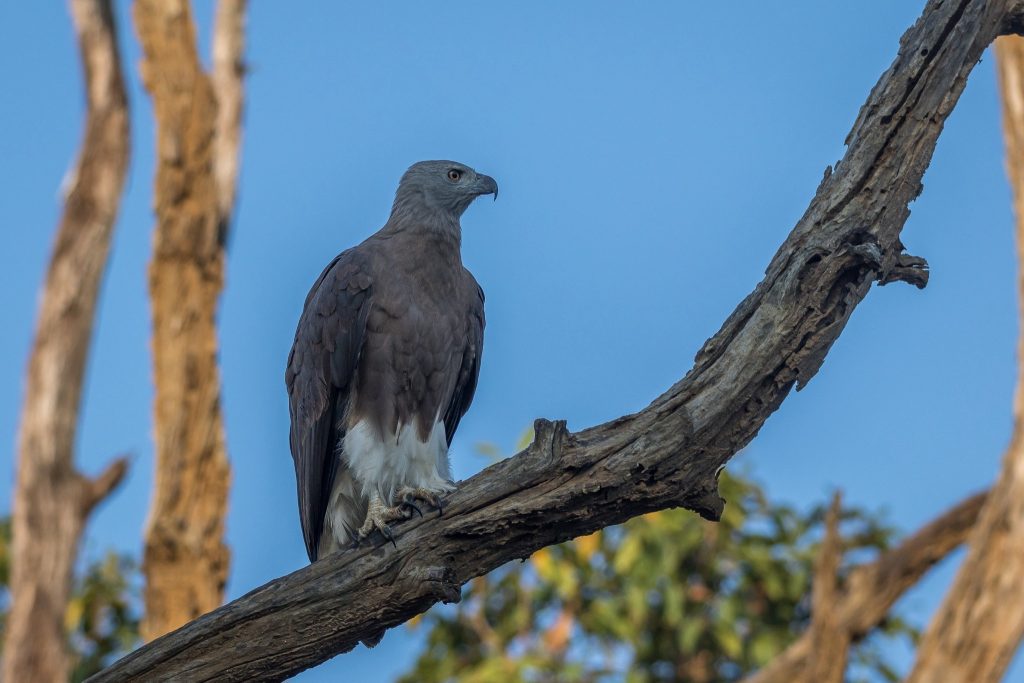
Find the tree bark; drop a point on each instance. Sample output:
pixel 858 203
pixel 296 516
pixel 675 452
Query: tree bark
pixel 979 626
pixel 568 484
pixel 52 500
pixel 185 560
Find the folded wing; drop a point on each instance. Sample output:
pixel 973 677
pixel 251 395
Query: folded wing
pixel 319 378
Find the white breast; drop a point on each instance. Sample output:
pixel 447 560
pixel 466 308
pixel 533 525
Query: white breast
pixel 384 464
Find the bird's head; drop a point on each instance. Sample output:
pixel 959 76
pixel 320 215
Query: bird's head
pixel 445 188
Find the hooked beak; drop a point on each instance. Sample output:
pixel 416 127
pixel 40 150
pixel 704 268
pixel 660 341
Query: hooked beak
pixel 485 184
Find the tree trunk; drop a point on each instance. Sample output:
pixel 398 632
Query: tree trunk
pixel 52 500
pixel 185 560
pixel 976 632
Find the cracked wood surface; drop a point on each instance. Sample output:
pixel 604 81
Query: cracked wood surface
pixel 568 484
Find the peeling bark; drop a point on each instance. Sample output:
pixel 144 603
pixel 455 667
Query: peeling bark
pixel 979 627
pixel 185 561
pixel 52 500
pixel 568 484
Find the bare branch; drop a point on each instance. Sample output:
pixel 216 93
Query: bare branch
pixel 872 589
pixel 49 514
pixel 109 479
pixel 979 627
pixel 565 485
pixel 830 641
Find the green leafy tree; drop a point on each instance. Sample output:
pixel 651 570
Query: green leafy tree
pixel 663 597
pixel 102 619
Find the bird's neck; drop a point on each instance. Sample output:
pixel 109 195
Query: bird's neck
pixel 422 222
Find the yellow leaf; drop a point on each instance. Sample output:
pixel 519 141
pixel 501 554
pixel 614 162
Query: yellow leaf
pixel 731 643
pixel 588 545
pixel 525 440
pixel 543 563
pixel 73 614
pixel 628 554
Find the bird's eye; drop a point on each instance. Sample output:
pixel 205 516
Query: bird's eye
pixel 454 175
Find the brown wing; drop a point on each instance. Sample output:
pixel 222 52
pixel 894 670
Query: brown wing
pixel 321 366
pixel 469 371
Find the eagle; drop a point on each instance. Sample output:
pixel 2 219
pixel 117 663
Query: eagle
pixel 385 363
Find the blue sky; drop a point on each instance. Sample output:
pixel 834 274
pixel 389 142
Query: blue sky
pixel 651 159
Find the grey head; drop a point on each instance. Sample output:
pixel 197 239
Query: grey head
pixel 439 191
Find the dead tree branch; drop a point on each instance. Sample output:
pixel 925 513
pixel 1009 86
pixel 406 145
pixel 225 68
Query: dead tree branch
pixel 872 589
pixel 979 627
pixel 52 500
pixel 185 560
pixel 568 484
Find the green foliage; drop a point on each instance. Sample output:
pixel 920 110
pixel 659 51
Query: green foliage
pixel 664 597
pixel 101 620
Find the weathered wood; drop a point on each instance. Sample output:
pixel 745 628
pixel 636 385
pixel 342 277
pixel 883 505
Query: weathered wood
pixel 978 629
pixel 185 560
pixel 52 500
pixel 871 589
pixel 567 484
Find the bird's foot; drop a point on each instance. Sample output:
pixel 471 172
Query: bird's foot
pixel 404 505
pixel 407 497
pixel 378 517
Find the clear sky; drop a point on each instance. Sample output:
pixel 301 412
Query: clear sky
pixel 651 156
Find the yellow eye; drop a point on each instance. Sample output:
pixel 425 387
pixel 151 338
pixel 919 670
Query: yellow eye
pixel 454 175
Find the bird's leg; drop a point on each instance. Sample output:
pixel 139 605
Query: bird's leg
pixel 408 495
pixel 378 516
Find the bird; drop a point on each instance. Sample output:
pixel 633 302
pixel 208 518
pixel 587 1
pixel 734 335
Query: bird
pixel 385 363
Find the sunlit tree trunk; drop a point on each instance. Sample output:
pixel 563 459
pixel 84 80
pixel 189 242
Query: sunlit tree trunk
pixel 185 560
pixel 52 500
pixel 976 632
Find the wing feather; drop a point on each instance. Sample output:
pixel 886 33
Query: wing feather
pixel 319 378
pixel 469 371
